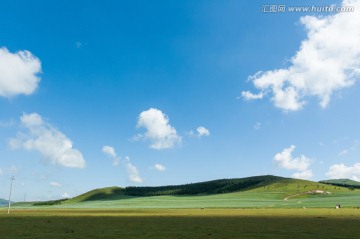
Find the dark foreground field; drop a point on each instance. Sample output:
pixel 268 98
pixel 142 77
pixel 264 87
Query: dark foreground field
pixel 181 223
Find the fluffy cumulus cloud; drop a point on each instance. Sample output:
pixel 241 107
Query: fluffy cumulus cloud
pixel 328 60
pixel 158 130
pixel 160 167
pixel 19 73
pixel 50 142
pixel 133 172
pixel 110 151
pixel 285 160
pixel 341 171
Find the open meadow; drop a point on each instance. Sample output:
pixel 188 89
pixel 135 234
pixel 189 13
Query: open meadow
pixel 286 208
pixel 180 223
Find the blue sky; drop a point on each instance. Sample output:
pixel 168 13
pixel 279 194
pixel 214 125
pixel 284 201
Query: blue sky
pixel 104 93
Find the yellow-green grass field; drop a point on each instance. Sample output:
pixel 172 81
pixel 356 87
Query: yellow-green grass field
pixel 282 209
pixel 180 223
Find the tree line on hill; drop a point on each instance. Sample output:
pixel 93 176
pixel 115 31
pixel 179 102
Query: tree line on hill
pixel 211 187
pixel 349 186
pixel 51 202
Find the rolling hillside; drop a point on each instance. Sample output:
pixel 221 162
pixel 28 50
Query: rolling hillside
pixel 252 192
pixel 203 188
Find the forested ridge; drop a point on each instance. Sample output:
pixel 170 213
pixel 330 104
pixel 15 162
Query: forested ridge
pixel 210 187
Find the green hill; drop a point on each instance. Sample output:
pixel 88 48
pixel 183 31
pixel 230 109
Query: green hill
pixel 251 192
pixel 220 186
pixel 342 183
pixel 3 202
pixel 108 193
pixel 205 188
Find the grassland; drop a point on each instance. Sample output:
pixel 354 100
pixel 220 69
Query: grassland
pixel 180 223
pixel 282 208
pixel 267 196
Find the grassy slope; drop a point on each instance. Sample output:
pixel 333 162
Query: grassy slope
pixel 266 196
pixel 100 194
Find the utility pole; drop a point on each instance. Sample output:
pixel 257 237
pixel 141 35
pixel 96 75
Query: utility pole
pixel 12 179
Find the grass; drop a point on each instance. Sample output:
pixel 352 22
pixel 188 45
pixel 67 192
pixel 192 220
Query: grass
pixel 180 223
pixel 270 196
pixel 259 212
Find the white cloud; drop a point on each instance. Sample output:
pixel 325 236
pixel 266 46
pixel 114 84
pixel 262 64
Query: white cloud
pixel 285 160
pixel 307 174
pixel 55 184
pixel 247 95
pixel 132 171
pixel 328 61
pixel 110 151
pixel 116 161
pixel 158 130
pixel 202 131
pixel 340 171
pixel 18 73
pixel 355 145
pixel 343 152
pixel 160 167
pixel 65 195
pixel 50 142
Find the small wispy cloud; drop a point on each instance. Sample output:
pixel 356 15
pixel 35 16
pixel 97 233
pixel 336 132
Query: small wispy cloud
pixel 65 195
pixel 200 132
pixel 247 95
pixel 55 184
pixel 110 152
pixel 132 171
pixel 355 145
pixel 159 167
